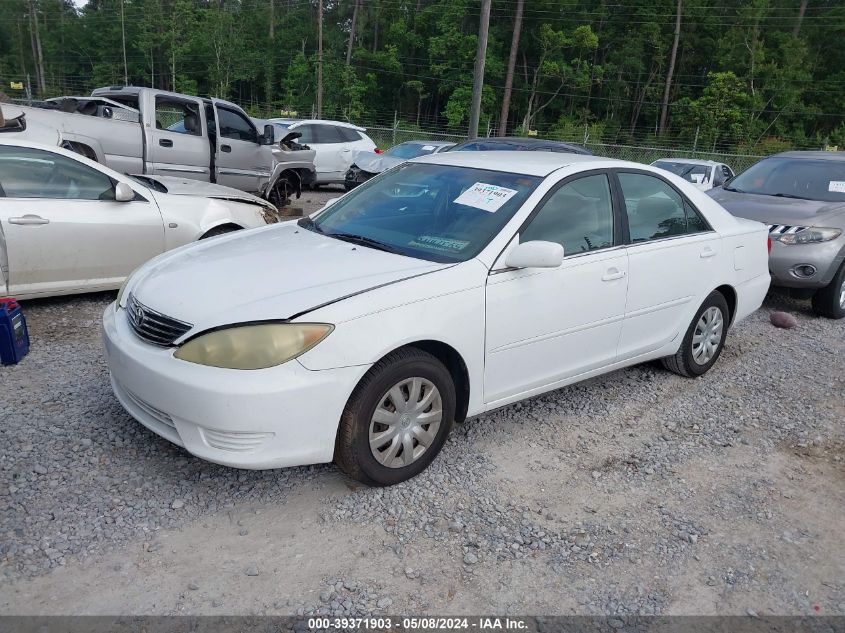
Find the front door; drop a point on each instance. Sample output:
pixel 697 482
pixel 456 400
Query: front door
pixel 63 229
pixel 671 257
pixel 178 145
pixel 547 325
pixel 241 161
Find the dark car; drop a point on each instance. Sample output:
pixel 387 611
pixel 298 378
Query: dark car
pixel 368 164
pixel 516 143
pixel 801 197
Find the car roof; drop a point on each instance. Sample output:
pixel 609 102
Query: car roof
pixel 517 162
pixel 531 141
pixel 816 155
pixel 688 161
pixel 435 143
pixel 328 122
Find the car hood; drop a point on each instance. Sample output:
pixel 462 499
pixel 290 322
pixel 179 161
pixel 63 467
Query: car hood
pixel 187 187
pixel 774 210
pixel 277 272
pixel 376 163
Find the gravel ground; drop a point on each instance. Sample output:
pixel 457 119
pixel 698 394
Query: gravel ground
pixel 635 493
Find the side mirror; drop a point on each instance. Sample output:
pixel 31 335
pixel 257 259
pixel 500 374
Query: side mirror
pixel 268 136
pixel 535 254
pixel 123 192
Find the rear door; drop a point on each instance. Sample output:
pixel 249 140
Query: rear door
pixel 333 153
pixel 241 161
pixel 63 229
pixel 177 144
pixel 672 257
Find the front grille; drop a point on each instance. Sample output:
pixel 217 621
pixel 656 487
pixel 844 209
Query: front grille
pixel 784 229
pixel 154 327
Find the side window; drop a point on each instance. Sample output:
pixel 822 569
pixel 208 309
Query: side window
pixel 327 134
pixel 578 216
pixel 307 132
pixel 235 126
pixel 348 134
pixel 34 173
pixel 655 210
pixel 175 115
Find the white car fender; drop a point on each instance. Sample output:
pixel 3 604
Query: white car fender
pixel 386 320
pixel 220 212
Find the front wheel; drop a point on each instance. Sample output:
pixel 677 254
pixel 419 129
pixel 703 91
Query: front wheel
pixel 397 419
pixel 830 301
pixel 704 339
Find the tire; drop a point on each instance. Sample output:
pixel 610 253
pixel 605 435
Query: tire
pixel 830 301
pixel 692 359
pixel 372 399
pixel 219 230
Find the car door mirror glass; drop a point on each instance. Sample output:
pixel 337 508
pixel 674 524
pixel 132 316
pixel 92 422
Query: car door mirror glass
pixel 268 136
pixel 535 254
pixel 123 192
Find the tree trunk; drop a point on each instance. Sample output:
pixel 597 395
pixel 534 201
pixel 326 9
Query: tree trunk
pixel 478 72
pixel 271 38
pixel 36 50
pixel 375 29
pixel 352 33
pixel 320 59
pixel 664 110
pixel 506 98
pixel 801 11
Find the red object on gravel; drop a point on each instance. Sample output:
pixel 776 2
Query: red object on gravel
pixel 783 320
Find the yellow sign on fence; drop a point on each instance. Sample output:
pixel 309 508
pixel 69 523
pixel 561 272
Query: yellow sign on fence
pixel 16 85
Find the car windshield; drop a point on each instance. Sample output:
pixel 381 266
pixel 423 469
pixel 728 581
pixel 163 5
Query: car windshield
pixel 689 172
pixel 410 150
pixel 803 178
pixel 434 212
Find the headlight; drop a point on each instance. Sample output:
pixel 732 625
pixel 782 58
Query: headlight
pixel 123 287
pixel 810 235
pixel 253 346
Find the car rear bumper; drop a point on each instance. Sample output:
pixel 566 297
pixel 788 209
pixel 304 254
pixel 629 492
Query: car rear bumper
pixel 270 418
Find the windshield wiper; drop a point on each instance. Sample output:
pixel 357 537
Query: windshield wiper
pixel 726 188
pixel 308 223
pixel 365 241
pixel 789 195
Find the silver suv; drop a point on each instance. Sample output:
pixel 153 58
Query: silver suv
pixel 801 196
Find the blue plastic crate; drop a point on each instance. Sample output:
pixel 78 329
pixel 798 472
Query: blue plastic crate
pixel 14 337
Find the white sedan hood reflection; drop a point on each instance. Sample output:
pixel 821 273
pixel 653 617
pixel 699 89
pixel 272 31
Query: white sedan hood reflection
pixel 291 270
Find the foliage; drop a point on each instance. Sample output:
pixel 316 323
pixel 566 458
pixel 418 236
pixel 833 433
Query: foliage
pixel 744 76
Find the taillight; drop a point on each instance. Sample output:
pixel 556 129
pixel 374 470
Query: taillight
pixel 769 242
pixel 378 151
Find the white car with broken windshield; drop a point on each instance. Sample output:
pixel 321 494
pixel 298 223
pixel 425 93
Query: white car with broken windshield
pixel 449 286
pixel 69 225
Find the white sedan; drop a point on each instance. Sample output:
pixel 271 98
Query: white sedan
pixel 69 225
pixel 449 286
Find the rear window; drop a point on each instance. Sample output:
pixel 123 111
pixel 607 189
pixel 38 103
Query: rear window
pixel 348 134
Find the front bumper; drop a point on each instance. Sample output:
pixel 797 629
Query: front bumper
pixel 270 418
pixel 786 261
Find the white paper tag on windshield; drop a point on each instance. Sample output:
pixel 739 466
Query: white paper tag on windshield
pixel 837 185
pixel 486 197
pixel 428 148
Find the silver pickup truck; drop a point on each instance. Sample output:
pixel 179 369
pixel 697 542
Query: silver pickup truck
pixel 138 130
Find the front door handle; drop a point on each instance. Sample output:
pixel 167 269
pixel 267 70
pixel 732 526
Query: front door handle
pixel 165 142
pixel 612 274
pixel 225 148
pixel 29 219
pixel 707 252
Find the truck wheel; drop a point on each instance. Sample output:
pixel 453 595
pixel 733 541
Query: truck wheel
pixel 830 301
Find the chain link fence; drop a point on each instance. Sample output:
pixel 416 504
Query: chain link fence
pixel 388 136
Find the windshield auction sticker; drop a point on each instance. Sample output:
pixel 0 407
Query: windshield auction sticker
pixel 837 185
pixel 486 197
pixel 438 243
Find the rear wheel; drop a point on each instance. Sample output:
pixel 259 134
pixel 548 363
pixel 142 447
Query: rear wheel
pixel 830 301
pixel 704 340
pixel 397 419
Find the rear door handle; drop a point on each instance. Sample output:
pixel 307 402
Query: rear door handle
pixel 612 274
pixel 165 142
pixel 225 148
pixel 29 219
pixel 707 252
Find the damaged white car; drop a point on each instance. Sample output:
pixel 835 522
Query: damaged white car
pixel 71 225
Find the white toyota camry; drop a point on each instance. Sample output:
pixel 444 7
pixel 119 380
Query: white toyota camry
pixel 441 289
pixel 69 224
